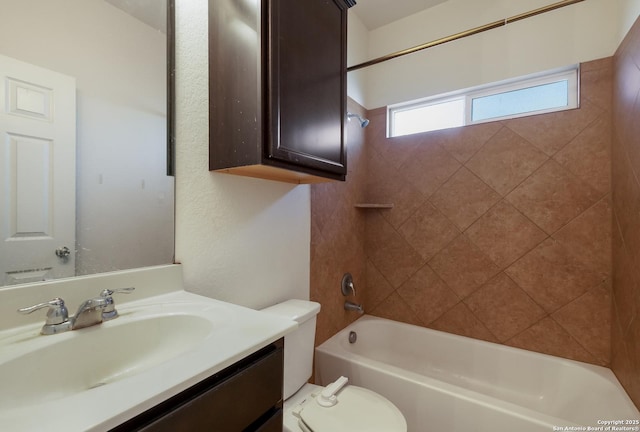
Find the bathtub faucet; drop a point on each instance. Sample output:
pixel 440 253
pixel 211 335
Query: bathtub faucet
pixel 350 306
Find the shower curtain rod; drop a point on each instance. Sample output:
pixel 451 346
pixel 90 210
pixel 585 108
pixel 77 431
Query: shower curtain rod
pixel 465 33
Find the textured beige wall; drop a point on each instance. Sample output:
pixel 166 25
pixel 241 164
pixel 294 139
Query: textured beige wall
pixel 239 239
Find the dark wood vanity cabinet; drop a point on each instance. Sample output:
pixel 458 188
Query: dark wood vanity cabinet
pixel 246 396
pixel 277 88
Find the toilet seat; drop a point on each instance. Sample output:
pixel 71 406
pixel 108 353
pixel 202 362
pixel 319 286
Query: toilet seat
pixel 357 410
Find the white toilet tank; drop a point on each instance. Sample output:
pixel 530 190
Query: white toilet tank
pixel 299 344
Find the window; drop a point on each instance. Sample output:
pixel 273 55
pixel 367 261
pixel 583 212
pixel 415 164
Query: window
pixel 548 92
pixel 432 116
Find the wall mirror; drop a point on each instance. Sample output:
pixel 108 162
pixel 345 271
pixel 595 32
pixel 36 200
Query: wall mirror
pixel 83 156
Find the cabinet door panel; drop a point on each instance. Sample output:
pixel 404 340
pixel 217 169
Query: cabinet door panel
pixel 231 406
pixel 307 92
pixel 235 104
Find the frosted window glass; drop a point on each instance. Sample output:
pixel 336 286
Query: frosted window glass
pixel 517 97
pixel 427 118
pixel 531 99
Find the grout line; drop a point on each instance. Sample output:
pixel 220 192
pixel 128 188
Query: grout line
pixel 445 181
pixel 393 290
pixel 624 245
pixel 526 140
pixel 463 231
pixel 463 301
pixel 529 327
pixel 407 244
pixel 443 313
pixel 526 293
pixel 570 221
pixel 618 323
pixel 446 245
pixel 627 158
pixel 595 357
pixel 415 316
pixel 591 123
pixel 482 145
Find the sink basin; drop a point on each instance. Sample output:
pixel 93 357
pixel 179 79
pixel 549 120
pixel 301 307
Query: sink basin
pixel 97 356
pixel 96 378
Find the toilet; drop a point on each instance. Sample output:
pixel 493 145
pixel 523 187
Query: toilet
pixel 338 407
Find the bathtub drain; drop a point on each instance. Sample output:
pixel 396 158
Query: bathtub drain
pixel 353 337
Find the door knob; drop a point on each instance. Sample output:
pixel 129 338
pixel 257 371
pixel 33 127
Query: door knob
pixel 63 252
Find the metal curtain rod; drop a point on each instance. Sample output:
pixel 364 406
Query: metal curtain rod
pixel 465 33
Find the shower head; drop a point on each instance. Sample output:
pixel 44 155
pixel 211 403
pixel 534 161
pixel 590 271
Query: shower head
pixel 363 121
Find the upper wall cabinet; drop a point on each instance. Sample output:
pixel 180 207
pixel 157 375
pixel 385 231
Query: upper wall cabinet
pixel 277 88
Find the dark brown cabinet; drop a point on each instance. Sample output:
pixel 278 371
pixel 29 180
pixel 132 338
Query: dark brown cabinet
pixel 246 396
pixel 277 88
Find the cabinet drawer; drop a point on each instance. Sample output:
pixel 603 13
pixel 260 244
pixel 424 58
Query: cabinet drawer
pixel 245 396
pixel 274 424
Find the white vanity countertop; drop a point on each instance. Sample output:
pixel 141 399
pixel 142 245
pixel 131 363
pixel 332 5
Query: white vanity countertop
pixel 230 333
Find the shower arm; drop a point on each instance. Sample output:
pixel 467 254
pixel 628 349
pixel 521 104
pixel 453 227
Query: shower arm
pixel 363 121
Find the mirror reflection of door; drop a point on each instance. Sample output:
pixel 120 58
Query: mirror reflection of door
pixel 116 51
pixel 37 166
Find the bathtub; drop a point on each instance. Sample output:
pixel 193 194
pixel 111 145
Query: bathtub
pixel 447 383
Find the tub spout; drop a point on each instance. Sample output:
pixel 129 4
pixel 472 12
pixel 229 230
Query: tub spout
pixel 350 306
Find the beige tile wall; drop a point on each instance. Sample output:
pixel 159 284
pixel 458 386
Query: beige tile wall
pixel 337 237
pixel 625 360
pixel 499 231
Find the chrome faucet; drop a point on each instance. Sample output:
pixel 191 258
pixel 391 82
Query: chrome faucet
pixel 91 312
pixel 57 316
pixel 351 306
pixel 97 309
pixel 347 287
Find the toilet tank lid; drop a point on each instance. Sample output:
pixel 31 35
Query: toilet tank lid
pixel 297 310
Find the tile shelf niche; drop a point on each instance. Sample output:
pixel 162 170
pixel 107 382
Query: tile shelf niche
pixel 373 206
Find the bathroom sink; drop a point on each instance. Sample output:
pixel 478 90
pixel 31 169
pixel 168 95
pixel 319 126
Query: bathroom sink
pixel 95 378
pixel 97 356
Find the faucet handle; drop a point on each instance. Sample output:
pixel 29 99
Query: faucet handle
pixel 110 312
pixel 57 313
pixel 110 292
pixel 347 286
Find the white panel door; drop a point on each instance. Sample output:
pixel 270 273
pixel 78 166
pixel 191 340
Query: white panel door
pixel 37 172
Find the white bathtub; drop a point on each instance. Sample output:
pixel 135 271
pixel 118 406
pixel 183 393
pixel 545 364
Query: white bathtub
pixel 447 383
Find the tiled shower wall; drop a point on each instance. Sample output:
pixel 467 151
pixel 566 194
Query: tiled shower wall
pixel 499 231
pixel 625 360
pixel 337 237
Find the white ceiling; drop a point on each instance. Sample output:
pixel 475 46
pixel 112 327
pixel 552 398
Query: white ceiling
pixel 150 12
pixel 372 13
pixel 376 13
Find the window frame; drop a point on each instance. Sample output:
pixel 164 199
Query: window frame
pixel 571 74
